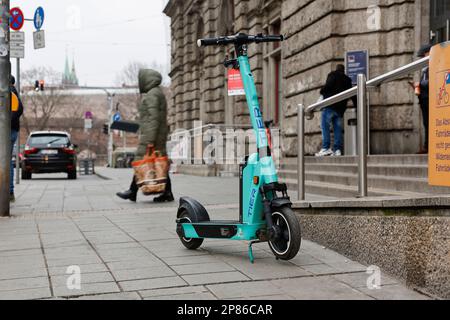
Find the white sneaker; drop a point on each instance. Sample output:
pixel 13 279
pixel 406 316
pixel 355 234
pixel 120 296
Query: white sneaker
pixel 338 153
pixel 324 153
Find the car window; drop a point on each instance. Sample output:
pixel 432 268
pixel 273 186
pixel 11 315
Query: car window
pixel 52 140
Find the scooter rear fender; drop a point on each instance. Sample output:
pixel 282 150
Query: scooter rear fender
pixel 196 211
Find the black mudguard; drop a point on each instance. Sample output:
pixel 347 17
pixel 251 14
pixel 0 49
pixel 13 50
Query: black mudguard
pixel 196 211
pixel 280 203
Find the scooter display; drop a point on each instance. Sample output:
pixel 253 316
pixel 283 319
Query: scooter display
pixel 265 213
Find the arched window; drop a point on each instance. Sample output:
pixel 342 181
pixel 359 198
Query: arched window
pixel 226 20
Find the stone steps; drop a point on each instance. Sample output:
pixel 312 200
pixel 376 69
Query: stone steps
pixel 338 176
pixel 342 191
pixel 420 171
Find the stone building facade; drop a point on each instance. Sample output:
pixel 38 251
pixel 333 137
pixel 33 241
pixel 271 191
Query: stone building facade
pixel 318 33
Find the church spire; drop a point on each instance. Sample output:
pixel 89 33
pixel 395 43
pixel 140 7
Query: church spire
pixel 74 73
pixel 70 75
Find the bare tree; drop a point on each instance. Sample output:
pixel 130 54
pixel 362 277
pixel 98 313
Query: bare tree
pixel 41 106
pixel 128 77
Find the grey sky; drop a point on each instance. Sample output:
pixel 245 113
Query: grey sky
pixel 102 35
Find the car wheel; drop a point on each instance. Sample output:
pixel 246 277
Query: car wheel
pixel 72 175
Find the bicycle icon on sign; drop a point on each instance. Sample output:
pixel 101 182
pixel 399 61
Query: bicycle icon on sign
pixel 443 95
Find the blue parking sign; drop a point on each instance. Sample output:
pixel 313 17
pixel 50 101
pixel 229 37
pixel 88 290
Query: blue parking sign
pixel 39 17
pixel 357 62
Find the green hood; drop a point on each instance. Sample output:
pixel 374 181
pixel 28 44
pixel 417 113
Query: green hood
pixel 149 79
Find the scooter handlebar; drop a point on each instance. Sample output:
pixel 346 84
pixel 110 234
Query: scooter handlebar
pixel 239 39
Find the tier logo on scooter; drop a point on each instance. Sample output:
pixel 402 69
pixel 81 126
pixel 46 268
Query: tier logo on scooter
pixel 443 87
pixel 252 203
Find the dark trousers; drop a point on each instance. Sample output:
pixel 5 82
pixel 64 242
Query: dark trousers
pixel 134 187
pixel 424 105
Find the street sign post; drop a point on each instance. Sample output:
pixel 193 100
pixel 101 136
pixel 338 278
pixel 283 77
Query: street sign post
pixel 39 39
pixel 5 113
pixel 39 17
pixel 17 19
pixel 17 51
pixel 17 45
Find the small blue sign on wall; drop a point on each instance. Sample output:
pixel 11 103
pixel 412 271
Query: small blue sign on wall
pixel 39 17
pixel 357 62
pixel 117 117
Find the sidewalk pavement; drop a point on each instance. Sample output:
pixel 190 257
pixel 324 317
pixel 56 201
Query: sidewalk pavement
pixel 131 251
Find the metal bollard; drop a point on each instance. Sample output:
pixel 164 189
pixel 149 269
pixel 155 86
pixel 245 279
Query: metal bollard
pixel 301 152
pixel 362 136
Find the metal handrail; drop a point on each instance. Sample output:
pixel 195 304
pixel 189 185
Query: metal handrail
pixel 361 92
pixel 387 77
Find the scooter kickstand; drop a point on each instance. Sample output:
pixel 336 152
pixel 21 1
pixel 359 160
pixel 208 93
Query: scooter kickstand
pixel 250 252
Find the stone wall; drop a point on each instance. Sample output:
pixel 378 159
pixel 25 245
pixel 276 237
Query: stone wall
pixel 408 243
pixel 318 32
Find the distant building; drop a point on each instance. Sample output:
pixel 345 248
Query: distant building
pixel 318 35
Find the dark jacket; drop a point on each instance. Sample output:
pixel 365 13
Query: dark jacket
pixel 425 86
pixel 152 112
pixel 15 116
pixel 337 82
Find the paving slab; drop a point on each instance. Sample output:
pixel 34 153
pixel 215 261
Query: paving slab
pixel 111 297
pixel 393 292
pixel 24 283
pixel 212 278
pixel 131 250
pixel 156 283
pixel 244 290
pixel 26 294
pixel 173 291
pixel 87 289
pixel 143 273
pixel 319 288
pixel 215 267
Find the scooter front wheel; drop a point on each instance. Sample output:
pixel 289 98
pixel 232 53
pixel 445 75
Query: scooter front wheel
pixel 286 244
pixel 191 244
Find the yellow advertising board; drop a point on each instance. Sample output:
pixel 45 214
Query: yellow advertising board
pixel 439 156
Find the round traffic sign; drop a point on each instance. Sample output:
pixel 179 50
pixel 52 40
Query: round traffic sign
pixel 39 17
pixel 17 19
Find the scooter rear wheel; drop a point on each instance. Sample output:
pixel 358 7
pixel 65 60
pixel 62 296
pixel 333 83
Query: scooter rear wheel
pixel 287 245
pixel 191 244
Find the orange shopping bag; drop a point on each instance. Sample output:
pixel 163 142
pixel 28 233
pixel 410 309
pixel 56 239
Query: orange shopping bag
pixel 152 172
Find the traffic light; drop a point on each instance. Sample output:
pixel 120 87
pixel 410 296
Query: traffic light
pixel 106 129
pixel 39 85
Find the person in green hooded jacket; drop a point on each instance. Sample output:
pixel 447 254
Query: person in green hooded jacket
pixel 153 125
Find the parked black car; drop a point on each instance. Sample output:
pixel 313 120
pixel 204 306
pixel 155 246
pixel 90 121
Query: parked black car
pixel 49 152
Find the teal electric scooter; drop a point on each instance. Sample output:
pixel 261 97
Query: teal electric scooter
pixel 265 207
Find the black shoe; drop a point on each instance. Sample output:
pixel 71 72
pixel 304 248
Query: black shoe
pixel 12 198
pixel 166 197
pixel 128 195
